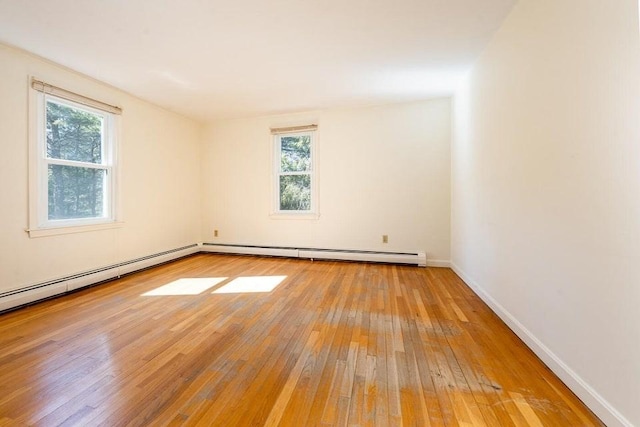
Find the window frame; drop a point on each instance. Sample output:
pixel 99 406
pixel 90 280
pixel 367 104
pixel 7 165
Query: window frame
pixel 39 223
pixel 313 212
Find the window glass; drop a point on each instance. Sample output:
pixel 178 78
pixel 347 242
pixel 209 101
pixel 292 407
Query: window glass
pixel 73 134
pixel 295 153
pixel 295 175
pixel 75 192
pixel 295 193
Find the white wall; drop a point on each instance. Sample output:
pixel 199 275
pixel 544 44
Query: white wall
pixel 382 170
pixel 160 181
pixel 546 191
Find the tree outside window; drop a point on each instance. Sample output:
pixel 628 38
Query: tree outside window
pixel 295 174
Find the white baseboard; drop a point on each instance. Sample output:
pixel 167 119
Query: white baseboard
pixel 411 258
pixel 250 250
pixel 39 291
pixel 438 263
pixel 414 259
pixel 22 298
pixel 600 406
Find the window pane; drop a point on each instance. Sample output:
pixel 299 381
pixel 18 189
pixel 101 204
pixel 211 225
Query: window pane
pixel 295 193
pixel 75 192
pixel 295 153
pixel 73 134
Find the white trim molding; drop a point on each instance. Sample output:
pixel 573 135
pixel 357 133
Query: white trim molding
pixel 438 263
pixel 410 258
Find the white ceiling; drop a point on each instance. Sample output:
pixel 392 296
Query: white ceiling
pixel 211 59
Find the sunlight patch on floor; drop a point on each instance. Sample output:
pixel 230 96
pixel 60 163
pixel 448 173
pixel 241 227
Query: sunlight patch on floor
pixel 186 286
pixel 250 284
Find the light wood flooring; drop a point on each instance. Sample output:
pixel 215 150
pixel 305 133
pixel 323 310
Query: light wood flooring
pixel 333 344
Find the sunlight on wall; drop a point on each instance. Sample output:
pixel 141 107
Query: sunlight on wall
pixel 250 284
pixel 191 286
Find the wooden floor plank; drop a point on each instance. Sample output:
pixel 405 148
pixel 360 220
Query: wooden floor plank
pixel 334 343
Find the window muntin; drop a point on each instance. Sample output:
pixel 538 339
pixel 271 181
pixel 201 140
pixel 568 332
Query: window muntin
pixel 295 173
pixel 75 164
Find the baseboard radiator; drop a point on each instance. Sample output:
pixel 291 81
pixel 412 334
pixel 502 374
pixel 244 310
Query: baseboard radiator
pixel 415 258
pixel 40 291
pixel 18 297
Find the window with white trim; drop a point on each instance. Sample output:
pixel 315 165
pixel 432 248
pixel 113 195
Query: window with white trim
pixel 295 183
pixel 73 156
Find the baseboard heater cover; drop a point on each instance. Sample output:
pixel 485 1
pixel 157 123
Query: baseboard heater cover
pixel 29 294
pixel 415 258
pixel 250 250
pixel 39 291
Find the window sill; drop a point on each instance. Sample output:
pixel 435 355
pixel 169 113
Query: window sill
pixel 44 232
pixel 288 216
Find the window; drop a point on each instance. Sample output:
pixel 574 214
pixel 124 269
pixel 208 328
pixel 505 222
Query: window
pixel 73 161
pixel 295 171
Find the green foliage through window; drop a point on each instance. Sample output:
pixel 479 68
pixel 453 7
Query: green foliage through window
pixel 76 135
pixel 294 181
pixel 295 193
pixel 75 192
pixel 295 153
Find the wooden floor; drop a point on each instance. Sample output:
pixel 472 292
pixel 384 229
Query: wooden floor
pixel 333 344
